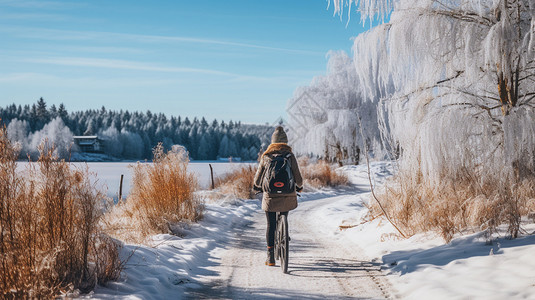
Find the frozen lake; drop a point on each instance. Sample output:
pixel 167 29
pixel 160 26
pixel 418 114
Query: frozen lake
pixel 108 174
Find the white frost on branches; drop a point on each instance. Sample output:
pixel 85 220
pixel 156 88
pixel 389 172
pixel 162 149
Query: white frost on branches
pixel 55 133
pixel 327 113
pixel 463 75
pixel 368 8
pixel 452 82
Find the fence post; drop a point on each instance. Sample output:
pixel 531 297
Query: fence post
pixel 121 188
pixel 212 175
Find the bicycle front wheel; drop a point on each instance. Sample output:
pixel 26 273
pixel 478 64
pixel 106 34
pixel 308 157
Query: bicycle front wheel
pixel 284 242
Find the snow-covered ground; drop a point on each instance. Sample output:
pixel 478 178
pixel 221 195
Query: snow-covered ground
pixel 222 256
pixel 172 264
pixel 108 174
pixel 423 266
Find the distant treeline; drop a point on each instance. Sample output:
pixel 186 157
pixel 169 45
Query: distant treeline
pixel 131 135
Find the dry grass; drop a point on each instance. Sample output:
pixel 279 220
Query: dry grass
pixel 163 194
pixel 50 240
pixel 455 205
pixel 238 183
pixel 320 174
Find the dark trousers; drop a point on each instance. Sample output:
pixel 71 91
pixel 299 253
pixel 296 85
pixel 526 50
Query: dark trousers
pixel 271 217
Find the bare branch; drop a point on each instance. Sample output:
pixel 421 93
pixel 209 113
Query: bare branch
pixel 371 184
pixel 465 17
pixel 451 78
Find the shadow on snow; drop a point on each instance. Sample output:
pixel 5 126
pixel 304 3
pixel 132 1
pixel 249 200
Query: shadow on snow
pixel 404 262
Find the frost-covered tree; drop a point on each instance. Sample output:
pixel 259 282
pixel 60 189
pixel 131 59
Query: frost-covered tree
pixel 473 40
pixel 62 112
pixel 42 112
pixel 112 143
pixel 227 147
pixel 132 144
pixel 55 133
pixel 331 118
pixel 455 85
pixel 91 125
pixel 53 111
pixel 17 132
pixel 125 133
pixel 203 153
pixel 451 74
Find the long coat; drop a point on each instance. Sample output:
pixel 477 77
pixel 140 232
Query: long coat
pixel 278 202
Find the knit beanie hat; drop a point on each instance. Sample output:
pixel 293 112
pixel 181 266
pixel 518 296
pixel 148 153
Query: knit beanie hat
pixel 279 136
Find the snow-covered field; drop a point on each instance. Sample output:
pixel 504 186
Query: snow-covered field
pixel 108 174
pixel 222 256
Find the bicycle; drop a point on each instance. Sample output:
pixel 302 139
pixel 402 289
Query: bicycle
pixel 282 241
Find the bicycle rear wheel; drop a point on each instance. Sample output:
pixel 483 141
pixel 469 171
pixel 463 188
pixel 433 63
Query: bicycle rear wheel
pixel 277 237
pixel 283 241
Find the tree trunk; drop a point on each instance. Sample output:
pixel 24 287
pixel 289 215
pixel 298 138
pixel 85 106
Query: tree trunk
pixel 502 91
pixel 508 90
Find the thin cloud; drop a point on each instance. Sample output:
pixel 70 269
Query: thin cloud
pixel 55 34
pixel 218 42
pixel 40 4
pixel 42 79
pixel 139 66
pixel 35 17
pixel 122 64
pixel 99 49
pixel 140 79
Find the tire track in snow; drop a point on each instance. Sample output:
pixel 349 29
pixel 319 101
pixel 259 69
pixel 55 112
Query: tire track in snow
pixel 374 280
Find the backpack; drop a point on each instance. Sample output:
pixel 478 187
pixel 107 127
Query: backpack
pixel 278 178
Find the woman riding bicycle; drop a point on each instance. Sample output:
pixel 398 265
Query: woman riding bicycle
pixel 277 202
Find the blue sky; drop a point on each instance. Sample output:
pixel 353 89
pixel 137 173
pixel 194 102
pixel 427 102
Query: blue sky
pixel 233 59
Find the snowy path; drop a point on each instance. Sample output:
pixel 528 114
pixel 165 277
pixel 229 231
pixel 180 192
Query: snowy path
pixel 222 257
pixel 319 267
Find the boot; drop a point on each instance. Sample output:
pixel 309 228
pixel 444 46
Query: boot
pixel 270 261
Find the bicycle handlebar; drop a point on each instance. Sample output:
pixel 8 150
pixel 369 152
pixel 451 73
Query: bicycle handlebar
pixel 260 192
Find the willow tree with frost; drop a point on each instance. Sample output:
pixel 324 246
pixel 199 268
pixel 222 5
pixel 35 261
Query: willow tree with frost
pixel 327 113
pixel 454 83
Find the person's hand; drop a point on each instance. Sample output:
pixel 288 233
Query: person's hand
pixel 299 189
pixel 257 189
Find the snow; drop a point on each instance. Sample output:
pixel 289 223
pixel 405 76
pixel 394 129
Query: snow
pixel 91 157
pixel 425 88
pixel 171 264
pixel 108 174
pixel 222 256
pixel 324 115
pixel 423 267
